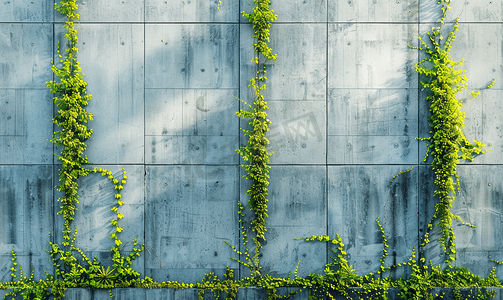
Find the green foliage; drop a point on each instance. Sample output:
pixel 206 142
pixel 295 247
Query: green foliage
pixel 90 273
pixel 425 278
pixel 72 272
pixel 448 143
pixel 211 282
pixel 474 94
pixel 71 99
pixel 14 265
pixel 491 84
pixel 255 153
pixel 340 277
pixel 251 262
pixel 401 172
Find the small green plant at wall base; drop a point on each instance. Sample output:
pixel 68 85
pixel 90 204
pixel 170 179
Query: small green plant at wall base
pixel 447 142
pixel 91 273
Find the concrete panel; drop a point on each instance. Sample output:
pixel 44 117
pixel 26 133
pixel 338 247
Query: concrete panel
pixel 466 10
pixel 26 11
pixel 297 133
pixel 191 56
pixel 191 112
pixel 93 215
pixel 360 194
pixel 373 112
pixel 78 294
pixel 249 293
pixel 26 218
pixel 483 116
pixel 191 126
pixel 192 150
pixel 111 56
pixel 478 204
pixel 191 11
pixel 109 11
pixel 372 56
pixel 466 293
pixel 100 294
pixel 480 46
pixel 25 55
pixel 126 294
pixel 299 72
pixel 432 252
pixel 252 293
pixel 293 10
pixel 423 126
pixel 371 150
pixel 171 294
pixel 372 126
pixel 375 11
pixel 186 235
pixel 296 209
pixel 26 119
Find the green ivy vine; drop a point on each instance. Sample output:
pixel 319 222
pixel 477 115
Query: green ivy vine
pixel 255 151
pixel 447 142
pixel 71 99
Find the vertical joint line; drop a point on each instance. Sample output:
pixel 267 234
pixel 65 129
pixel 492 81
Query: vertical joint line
pixel 418 182
pixel 326 137
pixel 144 173
pixel 239 137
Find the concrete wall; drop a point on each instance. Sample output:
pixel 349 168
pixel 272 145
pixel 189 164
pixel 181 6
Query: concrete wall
pixel 345 105
pixel 249 293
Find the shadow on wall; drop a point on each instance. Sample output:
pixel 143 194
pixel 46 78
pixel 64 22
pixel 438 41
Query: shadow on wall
pixel 190 132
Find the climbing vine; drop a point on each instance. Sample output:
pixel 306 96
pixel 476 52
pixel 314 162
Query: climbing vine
pixel 255 151
pixel 339 276
pixel 71 99
pixel 447 142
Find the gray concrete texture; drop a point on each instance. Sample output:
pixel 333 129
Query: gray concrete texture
pixel 250 293
pixel 166 77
